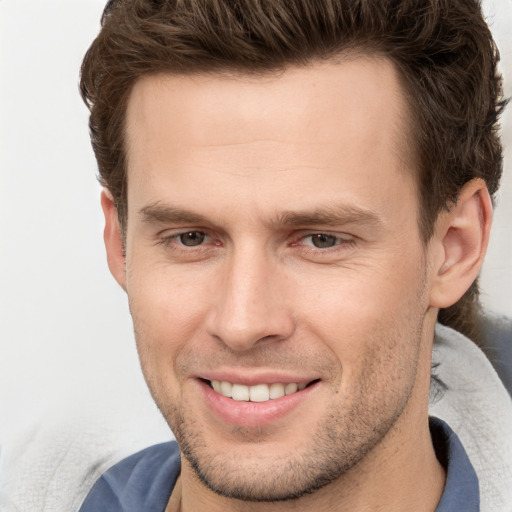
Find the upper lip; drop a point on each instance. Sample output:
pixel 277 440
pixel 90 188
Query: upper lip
pixel 253 377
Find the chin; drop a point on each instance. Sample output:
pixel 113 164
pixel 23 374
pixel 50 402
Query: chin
pixel 259 471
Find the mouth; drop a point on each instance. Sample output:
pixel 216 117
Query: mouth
pixel 259 392
pixel 249 402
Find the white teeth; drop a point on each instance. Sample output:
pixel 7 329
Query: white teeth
pixel 276 390
pixel 257 393
pixel 226 389
pixel 240 393
pixel 290 388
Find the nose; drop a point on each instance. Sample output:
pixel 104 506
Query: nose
pixel 250 307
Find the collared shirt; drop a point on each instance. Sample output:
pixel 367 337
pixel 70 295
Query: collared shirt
pixel 144 481
pixel 461 491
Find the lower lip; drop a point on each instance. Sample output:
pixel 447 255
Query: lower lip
pixel 253 414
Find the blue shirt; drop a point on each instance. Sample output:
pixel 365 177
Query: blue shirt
pixel 143 482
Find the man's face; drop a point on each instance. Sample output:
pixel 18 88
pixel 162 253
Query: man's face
pixel 273 241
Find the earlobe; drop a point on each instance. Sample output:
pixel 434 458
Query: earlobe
pixel 113 239
pixel 460 243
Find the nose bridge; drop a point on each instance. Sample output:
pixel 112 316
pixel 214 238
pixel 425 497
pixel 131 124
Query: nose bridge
pixel 250 305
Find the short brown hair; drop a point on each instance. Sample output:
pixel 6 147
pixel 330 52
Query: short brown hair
pixel 443 50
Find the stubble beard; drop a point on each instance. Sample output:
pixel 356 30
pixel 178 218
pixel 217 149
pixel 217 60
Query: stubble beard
pixel 327 459
pixel 342 439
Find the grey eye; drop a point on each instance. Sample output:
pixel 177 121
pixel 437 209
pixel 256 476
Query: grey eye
pixel 323 241
pixel 192 238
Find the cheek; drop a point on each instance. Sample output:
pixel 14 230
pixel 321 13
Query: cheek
pixel 370 319
pixel 166 298
pixel 167 314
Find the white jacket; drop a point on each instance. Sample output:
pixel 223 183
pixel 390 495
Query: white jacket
pixel 52 467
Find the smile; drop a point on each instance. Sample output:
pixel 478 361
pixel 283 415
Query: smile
pixel 256 404
pixel 258 392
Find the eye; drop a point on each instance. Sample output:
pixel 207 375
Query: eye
pixel 188 246
pixel 192 238
pixel 322 240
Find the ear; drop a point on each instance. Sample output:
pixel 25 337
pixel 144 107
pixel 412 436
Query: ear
pixel 459 244
pixel 113 239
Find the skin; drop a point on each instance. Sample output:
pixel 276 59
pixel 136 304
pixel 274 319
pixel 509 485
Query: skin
pixel 253 161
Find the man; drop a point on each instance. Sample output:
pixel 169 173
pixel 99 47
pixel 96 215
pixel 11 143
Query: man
pixel 295 192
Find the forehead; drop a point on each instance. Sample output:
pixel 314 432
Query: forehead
pixel 303 129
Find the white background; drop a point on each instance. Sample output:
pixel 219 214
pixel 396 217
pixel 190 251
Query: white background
pixel 65 331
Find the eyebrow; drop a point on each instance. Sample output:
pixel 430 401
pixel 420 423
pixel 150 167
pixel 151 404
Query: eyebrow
pixel 168 214
pixel 328 216
pixel 331 216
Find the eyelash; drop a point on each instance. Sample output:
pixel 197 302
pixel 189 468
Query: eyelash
pixel 340 244
pixel 167 241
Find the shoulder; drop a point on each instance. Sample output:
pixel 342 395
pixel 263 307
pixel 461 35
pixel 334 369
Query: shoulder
pixel 142 481
pixel 497 344
pixel 477 407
